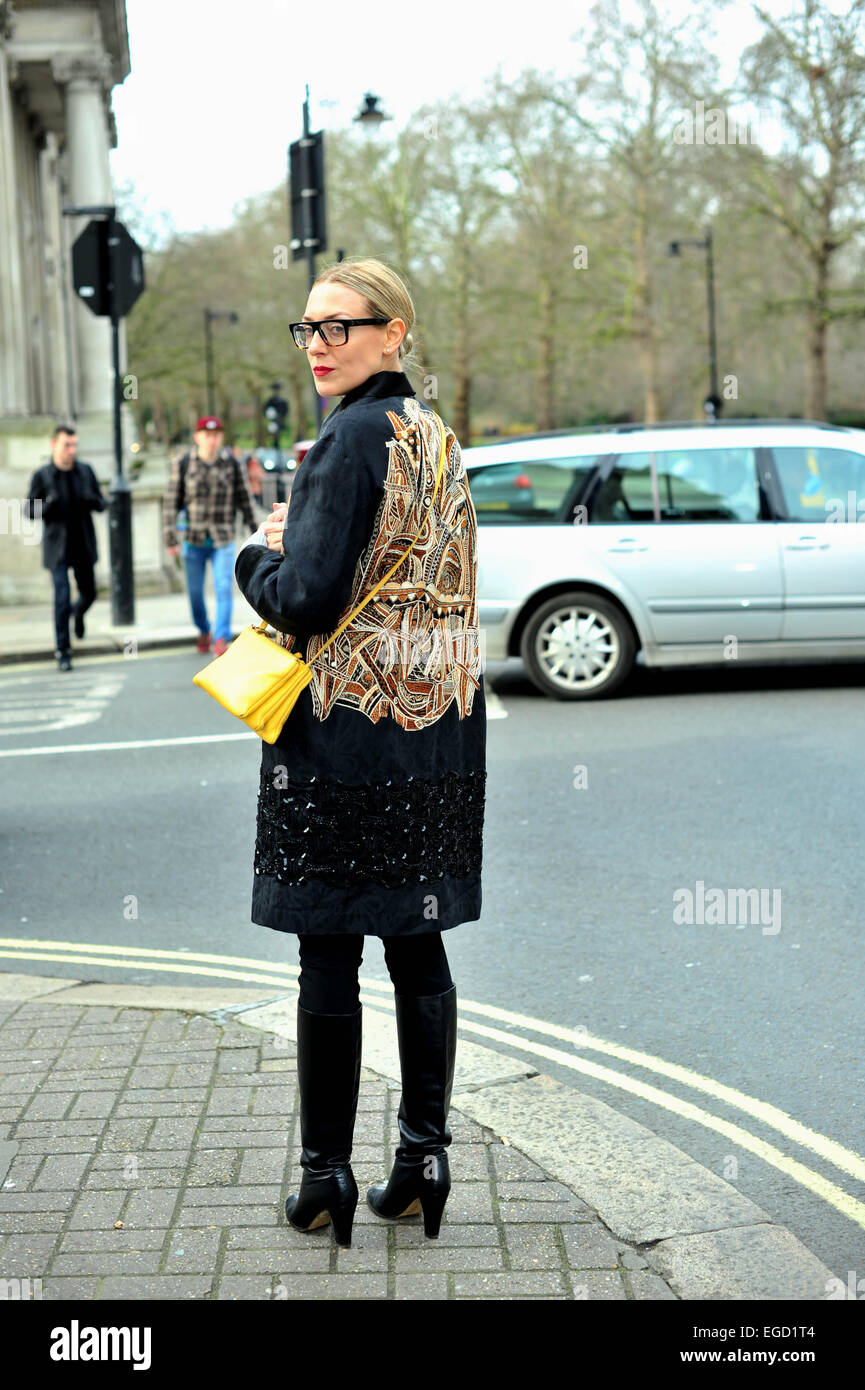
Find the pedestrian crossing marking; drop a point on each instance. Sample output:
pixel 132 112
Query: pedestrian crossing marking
pixel 49 702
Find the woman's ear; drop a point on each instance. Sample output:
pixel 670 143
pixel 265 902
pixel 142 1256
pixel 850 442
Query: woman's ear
pixel 394 330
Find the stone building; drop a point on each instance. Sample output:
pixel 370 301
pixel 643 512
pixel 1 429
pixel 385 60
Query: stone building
pixel 59 60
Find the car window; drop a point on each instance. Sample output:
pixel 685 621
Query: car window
pixel 822 484
pixel 535 491
pixel 626 494
pixel 689 484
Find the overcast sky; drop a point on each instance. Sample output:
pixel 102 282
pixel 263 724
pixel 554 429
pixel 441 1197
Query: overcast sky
pixel 216 90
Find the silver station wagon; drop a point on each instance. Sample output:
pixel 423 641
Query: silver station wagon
pixel 692 544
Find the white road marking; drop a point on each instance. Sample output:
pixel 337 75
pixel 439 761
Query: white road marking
pixel 47 703
pixel 495 708
pixel 129 743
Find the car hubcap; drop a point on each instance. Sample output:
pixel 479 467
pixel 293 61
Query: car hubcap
pixel 577 648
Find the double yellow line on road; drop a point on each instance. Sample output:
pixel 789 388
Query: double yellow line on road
pixel 254 971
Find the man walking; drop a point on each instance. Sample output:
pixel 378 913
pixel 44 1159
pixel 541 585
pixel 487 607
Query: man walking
pixel 210 483
pixel 69 491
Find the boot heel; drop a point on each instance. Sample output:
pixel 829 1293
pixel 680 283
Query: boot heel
pixel 343 1219
pixel 433 1192
pixel 433 1204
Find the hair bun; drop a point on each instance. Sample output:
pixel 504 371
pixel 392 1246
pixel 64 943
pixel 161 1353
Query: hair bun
pixel 406 345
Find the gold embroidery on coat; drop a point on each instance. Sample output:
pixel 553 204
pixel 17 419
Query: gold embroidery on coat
pixel 413 649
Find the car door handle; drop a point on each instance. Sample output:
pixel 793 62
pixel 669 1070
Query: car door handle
pixel 627 546
pixel 807 543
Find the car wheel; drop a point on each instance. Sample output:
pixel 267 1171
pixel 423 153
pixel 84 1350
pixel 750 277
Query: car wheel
pixel 578 646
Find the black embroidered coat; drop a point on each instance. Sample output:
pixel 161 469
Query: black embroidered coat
pixel 371 802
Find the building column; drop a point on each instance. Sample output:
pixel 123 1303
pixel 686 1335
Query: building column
pixel 57 337
pixel 86 78
pixel 14 389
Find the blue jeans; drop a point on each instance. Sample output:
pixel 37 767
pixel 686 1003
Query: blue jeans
pixel 196 557
pixel 82 567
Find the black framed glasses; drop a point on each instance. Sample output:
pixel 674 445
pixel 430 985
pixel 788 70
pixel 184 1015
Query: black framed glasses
pixel 334 332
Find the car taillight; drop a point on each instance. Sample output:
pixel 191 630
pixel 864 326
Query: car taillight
pixel 522 481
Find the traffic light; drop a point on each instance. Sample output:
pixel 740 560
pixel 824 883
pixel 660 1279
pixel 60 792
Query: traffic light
pixel 276 411
pixel 307 196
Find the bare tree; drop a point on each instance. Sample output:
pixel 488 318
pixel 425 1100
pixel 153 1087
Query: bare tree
pixel 810 69
pixel 460 210
pixel 531 142
pixel 628 98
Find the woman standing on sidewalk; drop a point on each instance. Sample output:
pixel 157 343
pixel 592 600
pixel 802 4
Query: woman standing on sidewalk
pixel 371 802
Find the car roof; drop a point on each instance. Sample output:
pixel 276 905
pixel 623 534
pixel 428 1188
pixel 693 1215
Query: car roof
pixel 673 435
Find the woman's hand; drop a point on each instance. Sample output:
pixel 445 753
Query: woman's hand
pixel 273 527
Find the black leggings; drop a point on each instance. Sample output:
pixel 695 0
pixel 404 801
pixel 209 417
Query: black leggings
pixel 329 966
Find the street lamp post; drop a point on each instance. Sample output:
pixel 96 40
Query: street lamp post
pixel 371 114
pixel 712 404
pixel 209 316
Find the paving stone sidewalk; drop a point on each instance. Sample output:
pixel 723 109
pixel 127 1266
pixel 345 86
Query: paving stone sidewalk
pixel 147 1154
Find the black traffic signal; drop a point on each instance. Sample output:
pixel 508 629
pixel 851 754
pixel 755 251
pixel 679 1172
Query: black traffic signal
pixel 276 411
pixel 306 191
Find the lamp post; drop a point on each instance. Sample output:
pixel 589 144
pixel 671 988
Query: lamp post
pixel 209 316
pixel 712 404
pixel 371 114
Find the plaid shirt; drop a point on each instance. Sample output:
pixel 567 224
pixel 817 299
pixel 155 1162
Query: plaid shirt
pixel 212 494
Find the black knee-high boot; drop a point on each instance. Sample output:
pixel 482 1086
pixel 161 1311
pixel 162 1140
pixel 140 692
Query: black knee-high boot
pixel 328 1074
pixel 420 1178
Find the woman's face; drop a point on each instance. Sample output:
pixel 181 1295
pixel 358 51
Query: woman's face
pixel 370 348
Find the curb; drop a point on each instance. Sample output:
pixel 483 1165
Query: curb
pixel 695 1230
pixel 107 643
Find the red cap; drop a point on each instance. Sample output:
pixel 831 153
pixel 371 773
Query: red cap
pixel 209 422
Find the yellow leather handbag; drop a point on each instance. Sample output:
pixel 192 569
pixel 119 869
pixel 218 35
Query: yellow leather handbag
pixel 257 680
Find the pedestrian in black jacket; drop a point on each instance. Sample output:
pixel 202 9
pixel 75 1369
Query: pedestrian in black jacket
pixel 371 801
pixel 65 492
